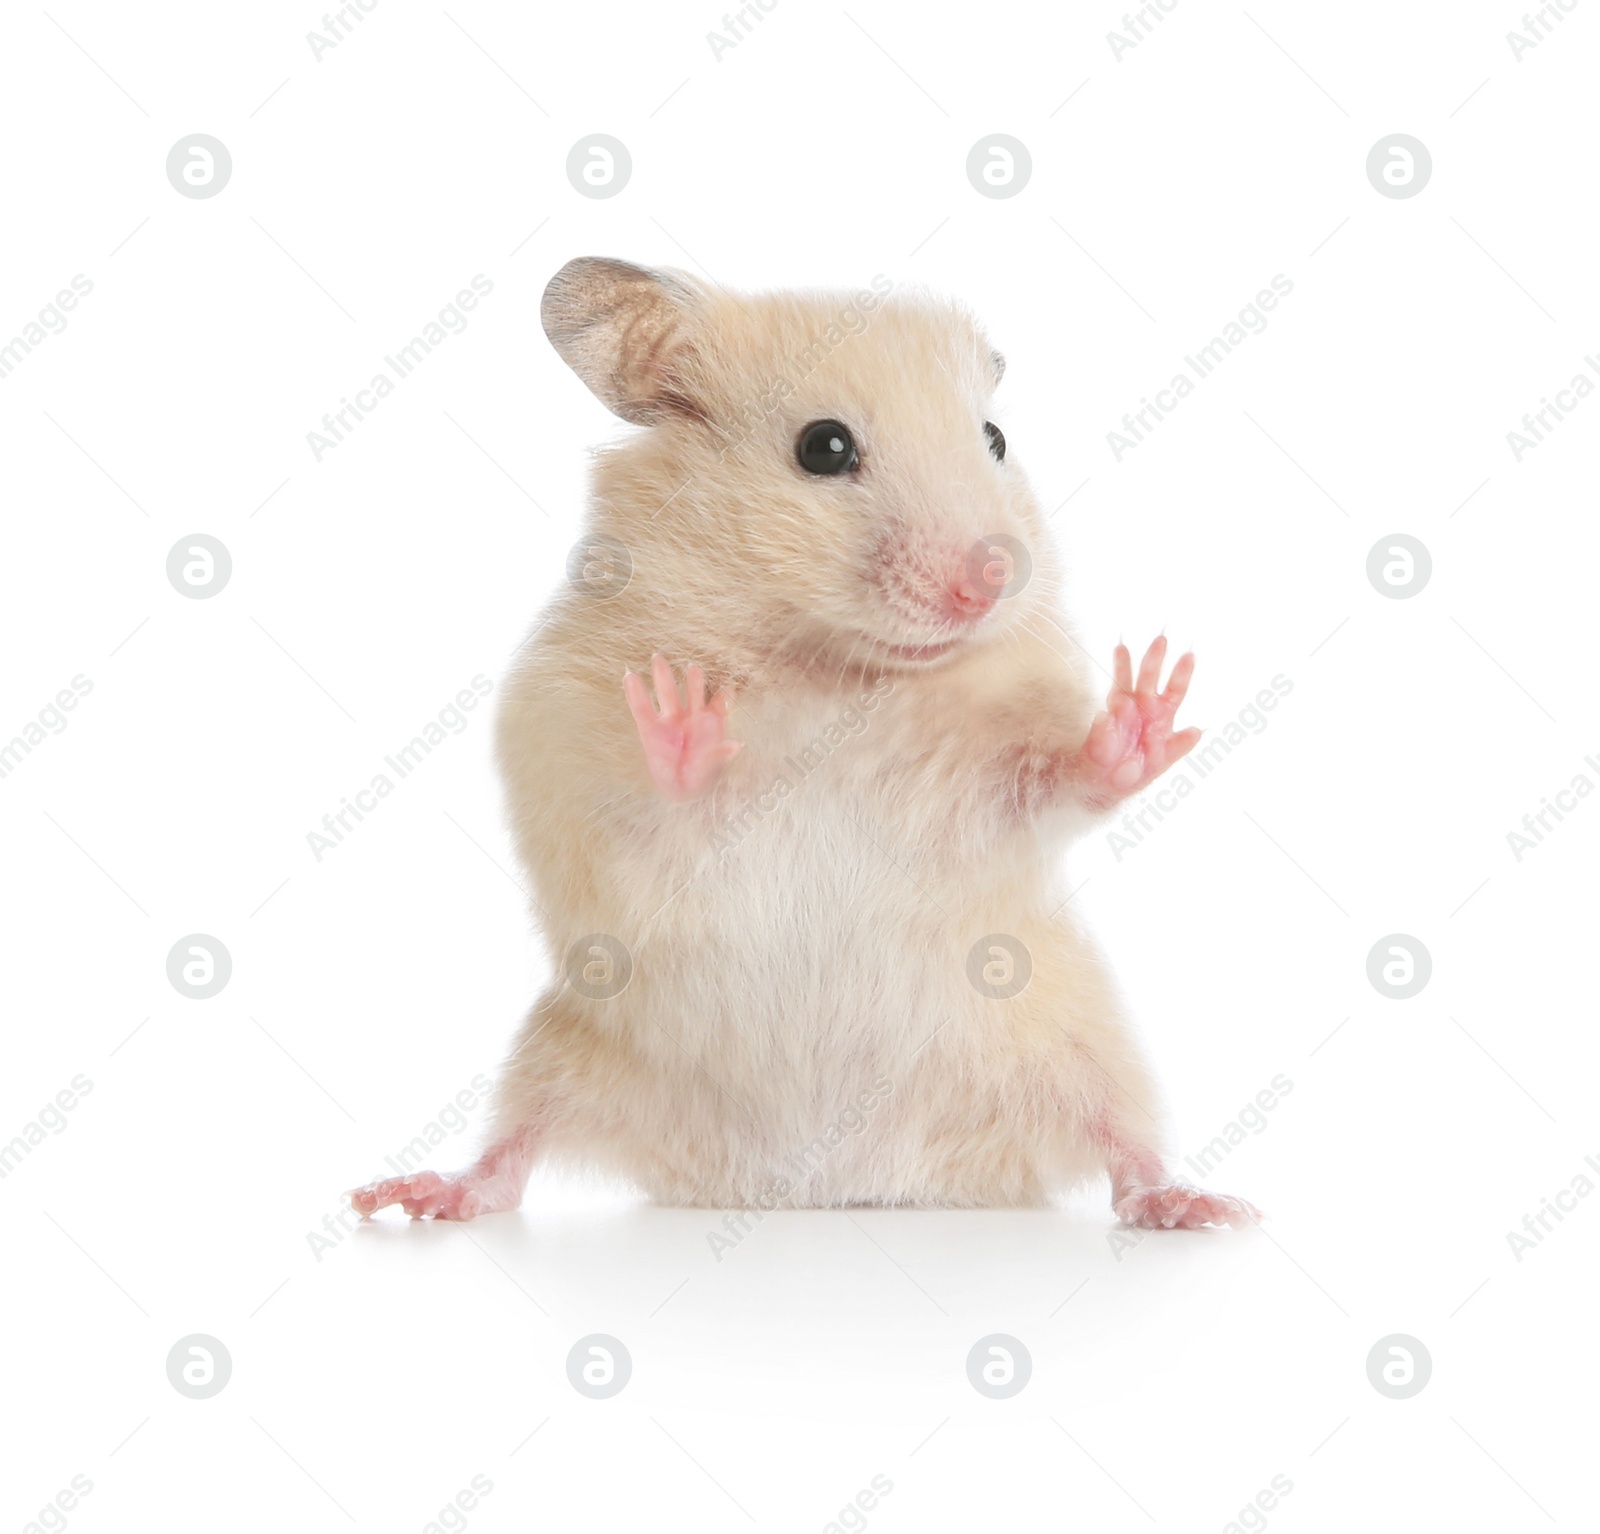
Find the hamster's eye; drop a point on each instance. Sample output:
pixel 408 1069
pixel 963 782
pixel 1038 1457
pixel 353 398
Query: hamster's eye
pixel 997 440
pixel 826 447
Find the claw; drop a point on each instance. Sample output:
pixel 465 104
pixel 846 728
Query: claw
pixel 1150 666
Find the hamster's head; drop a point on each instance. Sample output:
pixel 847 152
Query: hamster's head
pixel 821 476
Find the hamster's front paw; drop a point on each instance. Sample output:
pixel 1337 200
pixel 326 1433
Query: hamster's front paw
pixel 1180 1208
pixel 685 744
pixel 1130 743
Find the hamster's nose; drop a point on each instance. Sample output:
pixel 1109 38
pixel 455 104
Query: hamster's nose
pixel 967 599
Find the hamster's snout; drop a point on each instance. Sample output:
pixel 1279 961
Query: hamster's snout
pixel 938 595
pixel 967 600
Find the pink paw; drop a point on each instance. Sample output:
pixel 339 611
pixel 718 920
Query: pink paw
pixel 495 1183
pixel 1130 743
pixel 1180 1208
pixel 423 1195
pixel 685 744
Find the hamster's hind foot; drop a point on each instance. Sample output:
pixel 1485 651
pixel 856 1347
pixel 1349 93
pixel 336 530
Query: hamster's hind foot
pixel 1180 1208
pixel 494 1184
pixel 423 1195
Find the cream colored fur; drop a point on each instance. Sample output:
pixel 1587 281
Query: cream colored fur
pixel 782 970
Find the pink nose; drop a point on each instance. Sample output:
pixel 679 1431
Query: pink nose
pixel 968 599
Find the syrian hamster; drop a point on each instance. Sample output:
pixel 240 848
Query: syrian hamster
pixel 791 763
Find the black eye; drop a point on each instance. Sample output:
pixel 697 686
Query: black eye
pixel 826 447
pixel 997 440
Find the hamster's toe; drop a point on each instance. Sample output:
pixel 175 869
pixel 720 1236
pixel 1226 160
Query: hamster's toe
pixel 493 1185
pixel 1181 1208
pixel 423 1195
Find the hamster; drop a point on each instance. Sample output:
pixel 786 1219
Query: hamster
pixel 791 768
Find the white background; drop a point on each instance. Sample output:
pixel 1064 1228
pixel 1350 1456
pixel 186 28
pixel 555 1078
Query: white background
pixel 1173 1379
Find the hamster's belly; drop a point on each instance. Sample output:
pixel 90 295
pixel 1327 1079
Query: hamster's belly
pixel 822 932
pixel 801 1011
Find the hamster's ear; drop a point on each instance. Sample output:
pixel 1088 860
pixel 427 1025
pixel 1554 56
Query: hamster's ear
pixel 625 331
